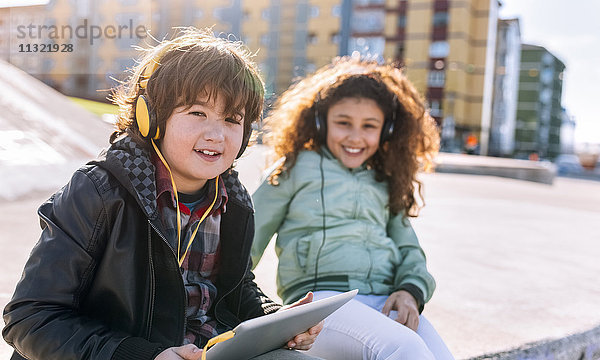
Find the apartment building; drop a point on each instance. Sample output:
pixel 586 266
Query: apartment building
pixel 539 110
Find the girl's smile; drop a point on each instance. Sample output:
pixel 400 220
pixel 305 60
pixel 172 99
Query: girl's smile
pixel 353 130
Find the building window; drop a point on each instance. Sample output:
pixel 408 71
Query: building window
pixel 335 38
pixel 266 14
pixel 371 46
pixel 401 21
pixel 546 96
pixel 435 108
pixel 336 10
pixel 547 59
pixel 436 78
pixel 313 11
pixel 439 49
pixel 265 39
pixel 547 76
pixel 368 21
pixel 312 39
pixel 440 19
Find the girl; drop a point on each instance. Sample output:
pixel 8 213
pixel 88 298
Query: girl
pixel 351 139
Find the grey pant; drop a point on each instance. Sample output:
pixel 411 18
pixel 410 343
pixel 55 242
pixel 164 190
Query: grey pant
pixel 285 354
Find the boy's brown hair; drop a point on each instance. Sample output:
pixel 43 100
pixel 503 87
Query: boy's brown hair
pixel 194 63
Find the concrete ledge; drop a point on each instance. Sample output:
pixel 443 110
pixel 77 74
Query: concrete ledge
pixel 582 346
pixel 537 171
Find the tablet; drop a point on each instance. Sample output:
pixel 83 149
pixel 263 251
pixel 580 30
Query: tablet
pixel 263 334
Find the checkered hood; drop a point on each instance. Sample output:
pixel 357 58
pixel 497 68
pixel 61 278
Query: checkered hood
pixel 130 164
pixel 235 190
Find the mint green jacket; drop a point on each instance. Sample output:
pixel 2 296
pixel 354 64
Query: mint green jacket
pixel 362 246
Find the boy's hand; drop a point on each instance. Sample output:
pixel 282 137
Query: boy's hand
pixel 185 352
pixel 406 306
pixel 304 340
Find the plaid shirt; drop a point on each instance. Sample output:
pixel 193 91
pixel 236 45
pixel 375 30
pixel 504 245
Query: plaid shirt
pixel 201 264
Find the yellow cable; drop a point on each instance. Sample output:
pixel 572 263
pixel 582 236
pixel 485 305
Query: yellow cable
pixel 201 219
pixel 215 340
pixel 174 190
pixel 181 258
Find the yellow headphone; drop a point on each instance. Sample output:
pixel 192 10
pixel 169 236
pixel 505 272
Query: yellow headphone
pixel 144 115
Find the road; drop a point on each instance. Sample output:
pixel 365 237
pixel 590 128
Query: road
pixel 514 261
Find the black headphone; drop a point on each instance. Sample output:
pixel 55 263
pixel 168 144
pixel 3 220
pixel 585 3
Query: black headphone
pixel 145 116
pixel 386 131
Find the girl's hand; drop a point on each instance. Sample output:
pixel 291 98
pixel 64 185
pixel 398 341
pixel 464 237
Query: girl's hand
pixel 304 340
pixel 406 306
pixel 185 352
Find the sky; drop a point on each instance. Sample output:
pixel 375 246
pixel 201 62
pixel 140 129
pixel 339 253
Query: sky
pixel 571 31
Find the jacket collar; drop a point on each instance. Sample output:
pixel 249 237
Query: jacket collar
pixel 130 164
pixel 326 153
pixel 164 185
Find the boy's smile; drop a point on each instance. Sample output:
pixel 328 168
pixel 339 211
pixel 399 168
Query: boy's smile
pixel 353 130
pixel 200 142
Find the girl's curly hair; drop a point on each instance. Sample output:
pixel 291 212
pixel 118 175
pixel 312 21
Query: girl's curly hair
pixel 291 128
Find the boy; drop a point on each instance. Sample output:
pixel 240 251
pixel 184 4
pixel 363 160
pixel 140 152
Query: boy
pixel 144 254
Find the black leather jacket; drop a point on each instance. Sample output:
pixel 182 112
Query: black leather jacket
pixel 103 283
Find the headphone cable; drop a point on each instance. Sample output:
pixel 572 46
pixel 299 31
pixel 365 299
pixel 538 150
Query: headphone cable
pixel 181 258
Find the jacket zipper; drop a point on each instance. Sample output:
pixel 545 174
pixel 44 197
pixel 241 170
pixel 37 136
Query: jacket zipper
pixel 356 196
pixel 179 277
pixel 152 284
pixel 240 280
pixel 370 265
pixel 227 294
